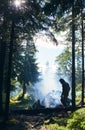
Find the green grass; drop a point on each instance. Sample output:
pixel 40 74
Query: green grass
pixel 58 124
pixel 76 121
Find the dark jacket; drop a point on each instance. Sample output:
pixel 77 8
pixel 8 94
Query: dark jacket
pixel 65 89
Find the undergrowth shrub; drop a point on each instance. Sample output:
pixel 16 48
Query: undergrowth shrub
pixel 52 127
pixel 77 120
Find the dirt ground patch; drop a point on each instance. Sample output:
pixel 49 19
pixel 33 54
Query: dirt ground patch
pixel 29 122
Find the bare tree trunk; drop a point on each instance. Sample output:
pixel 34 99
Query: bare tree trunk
pixel 9 71
pixel 2 61
pixel 82 100
pixel 24 90
pixel 73 57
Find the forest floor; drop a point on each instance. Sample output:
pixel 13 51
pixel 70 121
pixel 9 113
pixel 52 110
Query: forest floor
pixel 33 122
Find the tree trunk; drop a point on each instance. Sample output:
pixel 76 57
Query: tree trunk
pixel 82 100
pixel 24 90
pixel 9 71
pixel 2 61
pixel 73 57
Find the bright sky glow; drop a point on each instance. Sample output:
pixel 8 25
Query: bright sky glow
pixel 17 3
pixel 48 51
pixel 45 41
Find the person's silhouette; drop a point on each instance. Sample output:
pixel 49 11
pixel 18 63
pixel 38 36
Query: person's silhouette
pixel 65 91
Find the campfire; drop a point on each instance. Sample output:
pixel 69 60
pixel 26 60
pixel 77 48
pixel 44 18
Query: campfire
pixel 51 100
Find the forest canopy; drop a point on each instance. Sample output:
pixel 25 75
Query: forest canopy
pixel 19 22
